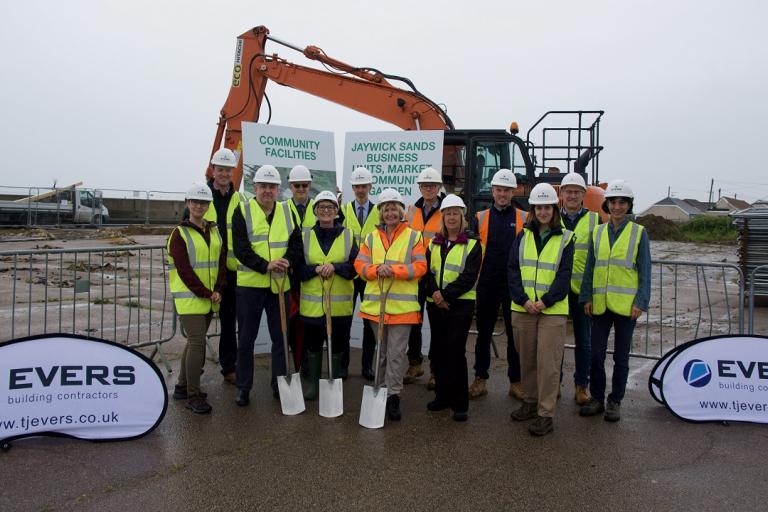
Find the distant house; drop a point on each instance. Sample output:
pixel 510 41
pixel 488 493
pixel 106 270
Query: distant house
pixel 731 204
pixel 676 210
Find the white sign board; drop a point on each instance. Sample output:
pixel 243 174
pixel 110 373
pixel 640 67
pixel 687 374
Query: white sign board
pixel 285 147
pixel 394 158
pixel 67 385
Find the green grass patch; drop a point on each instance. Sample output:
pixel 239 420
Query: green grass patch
pixel 710 229
pixel 102 301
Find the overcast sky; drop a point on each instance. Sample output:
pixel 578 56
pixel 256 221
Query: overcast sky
pixel 126 94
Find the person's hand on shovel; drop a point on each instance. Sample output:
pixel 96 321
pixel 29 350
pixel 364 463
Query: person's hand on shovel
pixel 278 265
pixel 325 271
pixel 385 270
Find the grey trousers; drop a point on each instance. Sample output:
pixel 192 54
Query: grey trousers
pixel 193 357
pixel 393 358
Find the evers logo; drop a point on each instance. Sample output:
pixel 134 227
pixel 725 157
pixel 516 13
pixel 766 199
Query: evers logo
pixel 20 378
pixel 697 373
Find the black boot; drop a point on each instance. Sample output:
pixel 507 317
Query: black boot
pixel 242 397
pixel 314 365
pixel 393 407
pixel 336 366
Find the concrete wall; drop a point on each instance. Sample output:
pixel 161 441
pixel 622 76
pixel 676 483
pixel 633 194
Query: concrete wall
pixel 136 211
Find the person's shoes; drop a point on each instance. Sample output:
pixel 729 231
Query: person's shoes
pixel 460 415
pixel 393 407
pixel 314 365
pixel 612 411
pixel 516 390
pixel 541 427
pixel 477 388
pixel 414 372
pixel 231 378
pixel 527 411
pixel 368 374
pixel 180 393
pixel 243 397
pixel 343 373
pixel 431 382
pixel 581 395
pixel 592 407
pixel 435 406
pixel 198 405
pixel 275 394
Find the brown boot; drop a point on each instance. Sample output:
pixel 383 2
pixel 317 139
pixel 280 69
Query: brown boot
pixel 478 389
pixel 581 395
pixel 516 390
pixel 431 382
pixel 414 371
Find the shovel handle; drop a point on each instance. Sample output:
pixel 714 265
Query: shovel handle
pixel 382 312
pixel 327 283
pixel 279 279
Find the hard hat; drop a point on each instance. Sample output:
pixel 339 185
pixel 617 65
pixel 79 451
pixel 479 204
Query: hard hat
pixel 299 173
pixel 326 195
pixel 543 193
pixel 225 158
pixel 573 178
pixel 361 176
pixel 619 188
pixel 429 175
pixel 267 174
pixel 504 178
pixel 199 192
pixel 390 195
pixel 452 200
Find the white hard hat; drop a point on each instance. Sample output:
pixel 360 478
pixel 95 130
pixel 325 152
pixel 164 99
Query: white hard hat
pixel 326 195
pixel 504 178
pixel 267 174
pixel 543 193
pixel 573 178
pixel 619 188
pixel 452 200
pixel 390 195
pixel 225 158
pixel 361 176
pixel 199 192
pixel 429 175
pixel 299 173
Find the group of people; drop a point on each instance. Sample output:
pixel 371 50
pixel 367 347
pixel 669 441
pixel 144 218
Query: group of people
pixel 539 267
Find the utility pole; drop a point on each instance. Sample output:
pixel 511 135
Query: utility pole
pixel 668 190
pixel 711 185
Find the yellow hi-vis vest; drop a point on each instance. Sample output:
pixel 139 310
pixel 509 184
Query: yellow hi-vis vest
pixel 454 265
pixel 538 271
pixel 204 259
pixel 581 235
pixel 350 221
pixel 615 280
pixel 342 290
pixel 404 295
pixel 211 215
pixel 270 241
pixel 309 213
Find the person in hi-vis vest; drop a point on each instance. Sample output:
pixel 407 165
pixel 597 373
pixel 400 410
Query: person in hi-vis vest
pixel 361 217
pixel 329 258
pixel 197 264
pixel 615 292
pixel 393 252
pixel 267 242
pixel 540 265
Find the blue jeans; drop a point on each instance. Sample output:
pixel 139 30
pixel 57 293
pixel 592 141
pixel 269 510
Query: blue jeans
pixel 582 332
pixel 623 327
pixel 251 302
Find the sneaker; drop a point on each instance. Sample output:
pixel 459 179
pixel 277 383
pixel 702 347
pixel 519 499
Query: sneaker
pixel 435 406
pixel 180 393
pixel 527 411
pixel 478 389
pixel 592 407
pixel 230 378
pixel 431 382
pixel 198 405
pixel 516 390
pixel 414 372
pixel 393 407
pixel 581 395
pixel 460 416
pixel 612 411
pixel 541 427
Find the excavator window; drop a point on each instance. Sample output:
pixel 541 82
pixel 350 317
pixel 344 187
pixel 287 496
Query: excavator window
pixel 491 156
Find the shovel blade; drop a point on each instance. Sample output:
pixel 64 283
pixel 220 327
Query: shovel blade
pixel 291 396
pixel 331 398
pixel 373 407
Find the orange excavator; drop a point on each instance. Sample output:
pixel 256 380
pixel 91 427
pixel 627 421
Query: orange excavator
pixel 470 157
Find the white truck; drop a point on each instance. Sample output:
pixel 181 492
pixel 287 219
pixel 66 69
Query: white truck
pixel 58 206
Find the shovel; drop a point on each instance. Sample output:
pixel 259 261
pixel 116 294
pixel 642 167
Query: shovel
pixel 374 405
pixel 289 387
pixel 331 390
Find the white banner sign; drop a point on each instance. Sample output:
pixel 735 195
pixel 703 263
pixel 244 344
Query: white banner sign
pixel 62 384
pixel 723 378
pixel 394 158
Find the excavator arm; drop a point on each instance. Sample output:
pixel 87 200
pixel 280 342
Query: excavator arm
pixel 365 90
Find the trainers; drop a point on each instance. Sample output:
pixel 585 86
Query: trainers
pixel 198 405
pixel 516 390
pixel 541 427
pixel 393 407
pixel 431 382
pixel 414 371
pixel 180 393
pixel 527 411
pixel 478 389
pixel 581 395
pixel 592 407
pixel 231 378
pixel 612 411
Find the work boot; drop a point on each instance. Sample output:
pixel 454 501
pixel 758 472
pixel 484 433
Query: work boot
pixel 393 407
pixel 314 364
pixel 581 395
pixel 592 407
pixel 336 370
pixel 516 390
pixel 180 393
pixel 612 411
pixel 527 411
pixel 431 382
pixel 435 406
pixel 242 397
pixel 231 378
pixel 414 371
pixel 478 389
pixel 368 374
pixel 198 405
pixel 460 415
pixel 541 427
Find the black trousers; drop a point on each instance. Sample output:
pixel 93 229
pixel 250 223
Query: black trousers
pixel 315 335
pixel 228 322
pixel 489 298
pixel 448 352
pixel 414 339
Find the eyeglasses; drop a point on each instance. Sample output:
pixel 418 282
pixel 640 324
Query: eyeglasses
pixel 300 185
pixel 326 208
